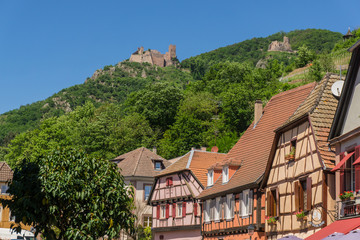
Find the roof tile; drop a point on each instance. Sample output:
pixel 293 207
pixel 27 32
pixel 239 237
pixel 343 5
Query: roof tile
pixel 253 148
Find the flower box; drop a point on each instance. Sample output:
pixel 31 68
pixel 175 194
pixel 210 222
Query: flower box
pixel 345 196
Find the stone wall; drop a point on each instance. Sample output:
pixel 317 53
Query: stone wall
pixel 280 46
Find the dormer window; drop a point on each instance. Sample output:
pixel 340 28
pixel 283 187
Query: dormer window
pixel 225 174
pixel 210 181
pixel 158 165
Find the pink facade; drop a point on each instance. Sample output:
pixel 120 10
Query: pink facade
pixel 176 213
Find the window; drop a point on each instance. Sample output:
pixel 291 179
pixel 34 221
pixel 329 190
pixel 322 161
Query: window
pixel 210 179
pixel 4 188
pixel 11 217
pixel 225 174
pixel 169 181
pixel 163 211
pixel 157 165
pixel 272 203
pixel 147 221
pixel 293 147
pixel 229 207
pixel 207 211
pixel 303 190
pixel 179 207
pixel 246 203
pixel 147 190
pixel 349 175
pixel 217 209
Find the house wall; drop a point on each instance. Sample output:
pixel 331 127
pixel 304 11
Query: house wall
pixel 140 203
pixel 184 188
pixel 283 175
pixel 178 235
pixel 5 216
pixel 234 228
pixel 352 119
pixel 239 236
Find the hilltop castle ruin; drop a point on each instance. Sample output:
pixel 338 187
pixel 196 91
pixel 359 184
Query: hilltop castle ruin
pixel 155 57
pixel 280 46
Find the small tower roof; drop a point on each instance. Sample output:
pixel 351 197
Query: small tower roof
pixel 348 34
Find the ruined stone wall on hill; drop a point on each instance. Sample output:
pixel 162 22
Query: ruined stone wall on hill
pixel 280 46
pixel 154 57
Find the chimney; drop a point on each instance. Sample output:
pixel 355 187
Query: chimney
pixel 203 149
pixel 258 110
pixel 154 150
pixel 192 149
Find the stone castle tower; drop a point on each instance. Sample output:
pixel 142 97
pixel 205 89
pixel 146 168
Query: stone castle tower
pixel 154 57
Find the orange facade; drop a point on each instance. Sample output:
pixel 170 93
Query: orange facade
pixel 237 226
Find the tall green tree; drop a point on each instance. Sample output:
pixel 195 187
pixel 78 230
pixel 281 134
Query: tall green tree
pixel 69 195
pixel 158 104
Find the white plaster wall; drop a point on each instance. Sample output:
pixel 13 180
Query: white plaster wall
pixel 352 118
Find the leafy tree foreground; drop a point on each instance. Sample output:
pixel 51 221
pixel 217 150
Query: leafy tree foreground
pixel 69 195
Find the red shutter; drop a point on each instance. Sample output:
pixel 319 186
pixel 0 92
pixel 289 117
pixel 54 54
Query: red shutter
pixel 357 169
pixel 195 209
pixel 170 181
pixel 308 193
pixel 167 210
pixel 174 210
pixel 342 174
pixel 158 211
pixel 184 209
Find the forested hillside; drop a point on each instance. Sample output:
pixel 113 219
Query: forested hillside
pixel 252 50
pixel 129 105
pixel 112 85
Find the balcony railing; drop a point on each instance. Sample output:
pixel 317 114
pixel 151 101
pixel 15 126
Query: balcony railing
pixel 348 208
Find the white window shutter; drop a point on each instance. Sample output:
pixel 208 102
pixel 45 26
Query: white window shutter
pixel 217 209
pixel 226 208
pixel 232 206
pixel 251 201
pixel 212 209
pixel 240 204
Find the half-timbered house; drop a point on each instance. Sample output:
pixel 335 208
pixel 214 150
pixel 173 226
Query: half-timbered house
pixel 176 212
pixel 233 204
pixel 345 137
pixel 300 191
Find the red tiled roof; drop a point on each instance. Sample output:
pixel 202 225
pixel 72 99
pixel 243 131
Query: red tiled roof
pixel 253 148
pixel 197 161
pixel 139 162
pixel 320 105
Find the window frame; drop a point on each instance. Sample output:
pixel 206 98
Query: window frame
pixel 245 203
pixel 144 195
pixel 162 211
pixel 148 220
pixel 225 174
pixel 207 218
pixel 217 209
pixel 210 176
pixel 229 208
pixel 179 210
pixel 6 188
pixel 155 164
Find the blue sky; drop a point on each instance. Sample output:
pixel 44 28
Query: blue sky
pixel 46 45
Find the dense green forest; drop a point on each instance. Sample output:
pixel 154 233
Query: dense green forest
pixel 252 50
pixel 129 105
